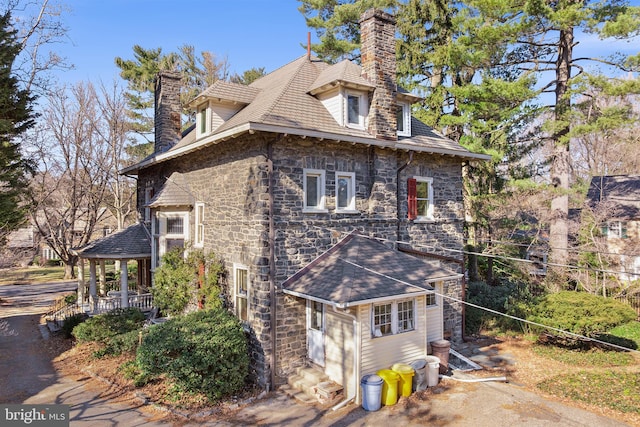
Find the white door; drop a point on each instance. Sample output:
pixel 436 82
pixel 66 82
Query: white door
pixel 315 332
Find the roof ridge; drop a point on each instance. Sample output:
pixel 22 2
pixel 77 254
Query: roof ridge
pixel 275 100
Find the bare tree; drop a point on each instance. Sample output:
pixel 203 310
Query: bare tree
pixel 39 28
pixel 114 128
pixel 75 167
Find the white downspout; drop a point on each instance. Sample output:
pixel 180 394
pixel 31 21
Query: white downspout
pixel 356 358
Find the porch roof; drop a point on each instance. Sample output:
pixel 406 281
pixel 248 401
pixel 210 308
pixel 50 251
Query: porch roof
pixel 360 270
pixel 134 242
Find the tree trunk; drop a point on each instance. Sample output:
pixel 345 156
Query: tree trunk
pixel 69 270
pixel 560 166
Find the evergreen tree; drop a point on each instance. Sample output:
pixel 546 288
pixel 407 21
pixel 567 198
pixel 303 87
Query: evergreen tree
pixel 16 116
pixel 198 73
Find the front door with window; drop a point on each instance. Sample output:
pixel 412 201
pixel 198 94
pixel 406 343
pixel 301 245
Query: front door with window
pixel 315 332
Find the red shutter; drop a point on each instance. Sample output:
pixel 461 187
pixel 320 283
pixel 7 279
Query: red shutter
pixel 412 199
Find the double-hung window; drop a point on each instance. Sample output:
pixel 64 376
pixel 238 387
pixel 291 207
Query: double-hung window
pixel 345 192
pixel 169 230
pixel 393 318
pixel 199 228
pixel 403 119
pixel 202 120
pixel 241 291
pixel 617 229
pixel 355 110
pixel 314 190
pixel 420 198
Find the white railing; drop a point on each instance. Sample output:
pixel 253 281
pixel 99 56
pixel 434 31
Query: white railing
pixel 143 301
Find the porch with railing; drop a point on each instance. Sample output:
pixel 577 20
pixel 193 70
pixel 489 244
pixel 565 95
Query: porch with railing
pixel 113 300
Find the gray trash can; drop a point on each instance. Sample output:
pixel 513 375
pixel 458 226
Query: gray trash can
pixel 433 368
pixel 420 378
pixel 371 392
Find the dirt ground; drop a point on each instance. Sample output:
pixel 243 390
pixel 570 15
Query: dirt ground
pixel 521 366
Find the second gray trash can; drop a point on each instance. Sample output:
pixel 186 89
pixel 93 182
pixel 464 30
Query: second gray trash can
pixel 433 368
pixel 420 378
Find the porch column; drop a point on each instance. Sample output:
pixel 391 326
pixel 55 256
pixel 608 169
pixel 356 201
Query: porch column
pixel 124 284
pixel 103 278
pixel 81 281
pixel 93 294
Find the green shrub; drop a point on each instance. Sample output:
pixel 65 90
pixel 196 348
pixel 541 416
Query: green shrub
pixel 581 313
pixel 204 351
pixel 511 298
pixel 71 322
pixel 122 343
pixel 103 327
pixel 178 280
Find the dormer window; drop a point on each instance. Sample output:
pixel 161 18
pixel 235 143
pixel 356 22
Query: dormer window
pixel 355 110
pixel 203 123
pixel 403 118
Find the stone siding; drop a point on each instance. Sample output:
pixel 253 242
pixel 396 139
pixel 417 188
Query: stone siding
pixel 231 178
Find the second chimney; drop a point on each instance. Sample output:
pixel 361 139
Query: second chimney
pixel 168 110
pixel 378 58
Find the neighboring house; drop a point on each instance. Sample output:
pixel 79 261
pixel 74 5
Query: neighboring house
pixel 615 202
pixel 339 215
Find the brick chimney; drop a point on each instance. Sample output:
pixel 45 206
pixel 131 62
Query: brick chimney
pixel 378 60
pixel 167 111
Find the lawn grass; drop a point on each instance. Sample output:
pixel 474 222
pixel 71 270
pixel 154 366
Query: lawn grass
pixel 607 379
pixel 612 389
pixel 630 331
pixel 29 275
pixel 594 358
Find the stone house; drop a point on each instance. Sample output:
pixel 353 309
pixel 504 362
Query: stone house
pixel 615 203
pixel 339 216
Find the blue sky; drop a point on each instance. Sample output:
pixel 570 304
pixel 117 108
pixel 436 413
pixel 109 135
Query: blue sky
pixel 249 33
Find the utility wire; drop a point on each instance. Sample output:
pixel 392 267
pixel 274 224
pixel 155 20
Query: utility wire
pixel 494 311
pixel 502 242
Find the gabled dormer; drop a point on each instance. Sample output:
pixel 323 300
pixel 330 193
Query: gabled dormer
pixel 344 93
pixel 219 103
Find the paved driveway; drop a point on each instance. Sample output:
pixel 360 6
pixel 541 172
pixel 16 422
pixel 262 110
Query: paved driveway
pixel 27 376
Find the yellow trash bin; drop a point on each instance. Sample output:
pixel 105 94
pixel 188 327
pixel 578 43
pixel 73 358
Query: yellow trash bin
pixel 406 373
pixel 389 386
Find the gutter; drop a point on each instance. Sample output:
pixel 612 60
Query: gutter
pixel 305 133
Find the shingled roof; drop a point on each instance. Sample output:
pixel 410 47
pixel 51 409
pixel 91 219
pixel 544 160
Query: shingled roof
pixel 174 192
pixel 134 242
pixel 283 102
pixel 359 269
pixel 621 193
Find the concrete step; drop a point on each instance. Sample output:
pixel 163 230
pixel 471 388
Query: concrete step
pixel 312 374
pixel 299 395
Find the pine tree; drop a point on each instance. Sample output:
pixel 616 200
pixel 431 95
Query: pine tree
pixel 16 117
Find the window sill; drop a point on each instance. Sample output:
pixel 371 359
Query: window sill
pixel 314 210
pixel 423 220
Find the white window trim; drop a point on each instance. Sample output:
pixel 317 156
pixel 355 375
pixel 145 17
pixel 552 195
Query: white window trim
pixel 198 238
pixel 615 229
pixel 351 208
pixel 236 295
pixel 438 290
pixel 321 174
pixel 363 108
pixel 394 317
pixel 429 217
pixel 161 235
pixel 406 119
pixel 207 125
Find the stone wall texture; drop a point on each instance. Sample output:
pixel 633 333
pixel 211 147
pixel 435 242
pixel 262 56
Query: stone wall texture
pixel 232 179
